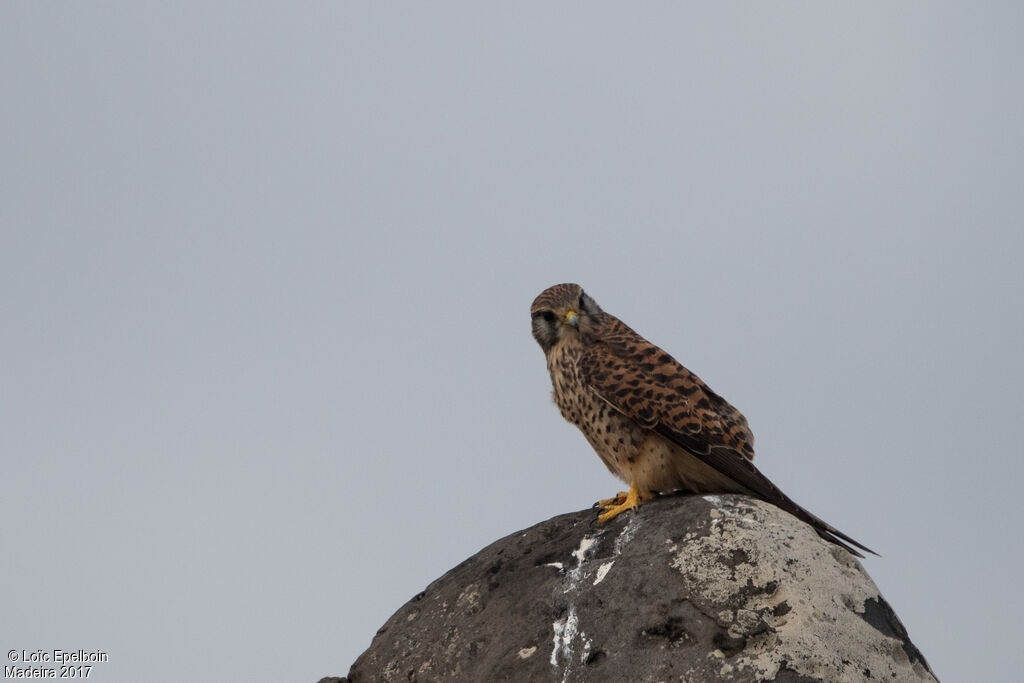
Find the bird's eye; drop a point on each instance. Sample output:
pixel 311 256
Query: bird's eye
pixel 583 302
pixel 546 315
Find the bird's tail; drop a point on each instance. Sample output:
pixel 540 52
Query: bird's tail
pixel 744 473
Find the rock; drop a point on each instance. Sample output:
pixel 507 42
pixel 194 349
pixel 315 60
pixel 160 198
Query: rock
pixel 687 588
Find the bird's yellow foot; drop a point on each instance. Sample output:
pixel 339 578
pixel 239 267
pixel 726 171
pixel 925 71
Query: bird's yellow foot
pixel 613 501
pixel 630 502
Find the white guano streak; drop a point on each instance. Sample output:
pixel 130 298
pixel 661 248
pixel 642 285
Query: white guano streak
pixel 566 630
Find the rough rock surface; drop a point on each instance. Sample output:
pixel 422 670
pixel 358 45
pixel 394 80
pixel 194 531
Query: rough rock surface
pixel 688 588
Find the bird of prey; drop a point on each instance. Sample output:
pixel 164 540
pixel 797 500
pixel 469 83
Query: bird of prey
pixel 653 423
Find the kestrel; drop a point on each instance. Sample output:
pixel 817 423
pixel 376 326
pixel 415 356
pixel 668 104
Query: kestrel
pixel 653 423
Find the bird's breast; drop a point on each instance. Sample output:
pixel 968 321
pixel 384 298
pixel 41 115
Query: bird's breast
pixel 567 386
pixel 615 438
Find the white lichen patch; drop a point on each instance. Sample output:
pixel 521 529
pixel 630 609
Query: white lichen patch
pixel 527 652
pixel 816 629
pixel 469 599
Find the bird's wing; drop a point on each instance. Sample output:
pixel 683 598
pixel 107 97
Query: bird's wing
pixel 649 386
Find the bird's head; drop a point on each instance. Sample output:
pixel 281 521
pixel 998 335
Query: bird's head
pixel 561 312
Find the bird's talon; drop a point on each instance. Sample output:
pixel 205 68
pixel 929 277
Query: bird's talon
pixel 630 501
pixel 617 499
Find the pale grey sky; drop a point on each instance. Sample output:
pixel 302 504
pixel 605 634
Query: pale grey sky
pixel 265 273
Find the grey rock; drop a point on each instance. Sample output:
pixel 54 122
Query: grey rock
pixel 687 588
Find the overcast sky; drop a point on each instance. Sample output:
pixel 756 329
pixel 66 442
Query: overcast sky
pixel 265 275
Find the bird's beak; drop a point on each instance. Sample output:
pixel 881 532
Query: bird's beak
pixel 572 318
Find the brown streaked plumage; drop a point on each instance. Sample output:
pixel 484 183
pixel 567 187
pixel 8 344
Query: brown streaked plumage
pixel 653 423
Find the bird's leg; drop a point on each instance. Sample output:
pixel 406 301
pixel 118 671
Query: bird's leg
pixel 613 501
pixel 631 502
